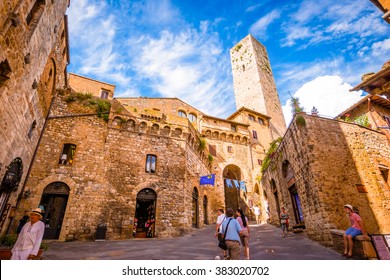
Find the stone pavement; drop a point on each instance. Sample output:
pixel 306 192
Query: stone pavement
pixel 266 243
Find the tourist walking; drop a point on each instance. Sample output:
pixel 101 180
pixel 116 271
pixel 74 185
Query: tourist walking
pixel 256 210
pixel 232 235
pixel 356 229
pixel 245 233
pixel 218 229
pixel 30 238
pixel 284 222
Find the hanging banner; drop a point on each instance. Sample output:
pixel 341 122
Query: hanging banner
pixel 243 186
pixel 236 183
pixel 229 183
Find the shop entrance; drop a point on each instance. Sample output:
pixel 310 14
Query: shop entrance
pixel 53 203
pixel 145 214
pixel 296 202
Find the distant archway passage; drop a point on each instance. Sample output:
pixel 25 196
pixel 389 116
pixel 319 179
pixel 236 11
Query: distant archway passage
pixel 53 203
pixel 232 194
pixel 145 214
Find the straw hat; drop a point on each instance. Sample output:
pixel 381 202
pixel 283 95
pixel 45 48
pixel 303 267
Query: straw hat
pixel 37 211
pixel 348 206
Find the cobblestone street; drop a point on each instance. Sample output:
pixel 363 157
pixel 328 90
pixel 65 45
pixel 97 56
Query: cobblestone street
pixel 266 243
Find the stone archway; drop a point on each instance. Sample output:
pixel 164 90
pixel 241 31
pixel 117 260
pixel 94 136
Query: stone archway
pixel 145 213
pixel 232 193
pixel 47 85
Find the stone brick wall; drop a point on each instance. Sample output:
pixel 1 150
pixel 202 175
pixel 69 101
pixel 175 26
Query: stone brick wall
pixel 87 85
pixel 35 55
pixel 108 171
pixel 334 163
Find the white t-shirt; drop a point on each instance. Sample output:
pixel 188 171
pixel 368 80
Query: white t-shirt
pixel 220 220
pixel 257 210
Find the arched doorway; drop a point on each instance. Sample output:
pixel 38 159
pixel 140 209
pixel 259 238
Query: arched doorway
pixel 205 213
pixel 53 203
pixel 9 183
pixel 288 174
pixel 145 214
pixel 232 193
pixel 195 209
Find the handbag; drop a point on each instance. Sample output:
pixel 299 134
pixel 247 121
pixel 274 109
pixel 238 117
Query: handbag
pixel 368 249
pixel 222 243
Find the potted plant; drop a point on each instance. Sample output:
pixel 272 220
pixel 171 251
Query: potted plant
pixel 8 241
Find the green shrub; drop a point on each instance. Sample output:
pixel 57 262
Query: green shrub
pixel 8 240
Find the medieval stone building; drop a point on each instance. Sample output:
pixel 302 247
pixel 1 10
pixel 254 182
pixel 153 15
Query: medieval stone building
pixel 133 165
pixel 322 164
pixel 33 59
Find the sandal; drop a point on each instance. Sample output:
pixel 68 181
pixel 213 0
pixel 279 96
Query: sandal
pixel 344 255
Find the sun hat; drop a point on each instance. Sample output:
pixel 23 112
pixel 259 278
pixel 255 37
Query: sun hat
pixel 348 206
pixel 37 211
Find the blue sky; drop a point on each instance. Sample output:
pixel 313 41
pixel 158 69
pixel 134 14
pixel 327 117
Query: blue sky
pixel 180 48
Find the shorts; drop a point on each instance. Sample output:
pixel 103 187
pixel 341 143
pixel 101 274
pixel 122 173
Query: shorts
pixel 244 236
pixel 353 232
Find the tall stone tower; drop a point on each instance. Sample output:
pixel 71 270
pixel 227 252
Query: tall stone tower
pixel 254 85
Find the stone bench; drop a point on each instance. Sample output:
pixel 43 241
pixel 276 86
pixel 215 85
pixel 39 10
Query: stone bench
pixel 338 244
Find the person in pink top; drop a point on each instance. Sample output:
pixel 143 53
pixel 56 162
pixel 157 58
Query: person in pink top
pixel 356 229
pixel 244 233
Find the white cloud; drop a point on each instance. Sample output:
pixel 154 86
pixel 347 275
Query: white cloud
pixel 259 28
pixel 381 49
pixel 157 12
pixel 92 33
pixel 329 94
pixel 324 21
pixel 190 65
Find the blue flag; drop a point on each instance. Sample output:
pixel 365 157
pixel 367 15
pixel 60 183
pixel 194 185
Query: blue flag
pixel 229 183
pixel 207 180
pixel 242 186
pixel 236 184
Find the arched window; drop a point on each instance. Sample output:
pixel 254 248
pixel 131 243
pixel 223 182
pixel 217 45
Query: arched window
pixel 182 114
pixel 260 121
pixel 151 161
pixel 192 117
pixel 251 118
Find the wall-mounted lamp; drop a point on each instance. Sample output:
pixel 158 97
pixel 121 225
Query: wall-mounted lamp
pixel 27 194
